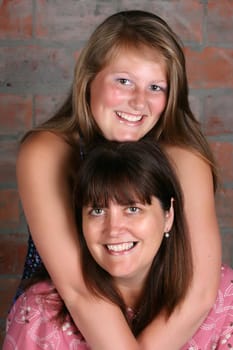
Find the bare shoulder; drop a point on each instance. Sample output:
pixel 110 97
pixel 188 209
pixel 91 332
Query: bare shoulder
pixel 191 168
pixel 186 159
pixel 183 156
pixel 43 143
pixel 42 148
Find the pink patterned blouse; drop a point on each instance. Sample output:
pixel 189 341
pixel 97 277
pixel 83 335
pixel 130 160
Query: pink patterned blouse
pixel 31 324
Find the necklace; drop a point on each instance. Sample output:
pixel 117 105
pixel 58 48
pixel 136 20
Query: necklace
pixel 132 313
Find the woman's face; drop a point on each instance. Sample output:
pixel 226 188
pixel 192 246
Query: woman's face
pixel 129 95
pixel 124 239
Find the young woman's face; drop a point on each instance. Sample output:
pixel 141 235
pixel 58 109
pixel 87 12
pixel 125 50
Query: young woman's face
pixel 129 95
pixel 124 239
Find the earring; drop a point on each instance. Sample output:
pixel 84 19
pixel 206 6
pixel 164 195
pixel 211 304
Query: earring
pixel 167 234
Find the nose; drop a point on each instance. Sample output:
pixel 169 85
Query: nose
pixel 114 222
pixel 138 99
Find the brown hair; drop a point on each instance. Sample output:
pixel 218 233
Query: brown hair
pixel 133 30
pixel 125 172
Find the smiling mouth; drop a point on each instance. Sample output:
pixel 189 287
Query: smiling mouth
pixel 129 117
pixel 122 247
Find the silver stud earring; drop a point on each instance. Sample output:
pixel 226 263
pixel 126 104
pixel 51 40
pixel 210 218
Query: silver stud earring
pixel 167 234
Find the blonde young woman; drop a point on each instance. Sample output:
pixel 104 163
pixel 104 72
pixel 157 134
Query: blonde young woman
pixel 130 81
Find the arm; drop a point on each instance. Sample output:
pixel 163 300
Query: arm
pixel 46 200
pixel 42 175
pixel 196 181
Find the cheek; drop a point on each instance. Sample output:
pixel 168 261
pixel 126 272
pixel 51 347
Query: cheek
pixel 164 102
pixel 89 241
pixel 105 97
pixel 87 230
pixel 155 229
pixel 160 104
pixel 92 230
pixel 153 243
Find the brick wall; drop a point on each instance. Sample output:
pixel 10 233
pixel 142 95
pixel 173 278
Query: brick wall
pixel 39 41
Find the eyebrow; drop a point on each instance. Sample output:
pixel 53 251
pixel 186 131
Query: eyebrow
pixel 131 74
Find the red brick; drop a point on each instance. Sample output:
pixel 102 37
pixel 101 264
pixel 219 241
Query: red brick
pixel 195 104
pixel 223 152
pixel 75 22
pixel 2 331
pixel 184 17
pixel 12 253
pixel 210 68
pixel 7 292
pixel 8 287
pixel 15 113
pixel 33 68
pixel 227 248
pixel 9 209
pixel 217 117
pixel 224 201
pixel 8 151
pixel 56 20
pixel 46 106
pixel 220 21
pixel 15 19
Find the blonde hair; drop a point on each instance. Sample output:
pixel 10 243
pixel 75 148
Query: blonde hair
pixel 133 30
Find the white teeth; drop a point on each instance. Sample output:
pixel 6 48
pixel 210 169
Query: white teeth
pixel 120 247
pixel 130 118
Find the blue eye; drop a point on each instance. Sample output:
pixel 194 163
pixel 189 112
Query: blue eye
pixel 133 210
pixel 97 211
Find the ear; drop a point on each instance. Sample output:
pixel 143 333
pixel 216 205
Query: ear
pixel 169 217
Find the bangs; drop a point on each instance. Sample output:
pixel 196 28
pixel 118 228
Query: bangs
pixel 125 173
pixel 114 182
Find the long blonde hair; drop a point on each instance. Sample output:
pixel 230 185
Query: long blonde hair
pixel 133 30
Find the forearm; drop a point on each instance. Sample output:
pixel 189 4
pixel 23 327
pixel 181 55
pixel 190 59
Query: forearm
pixel 102 324
pixel 54 233
pixel 197 184
pixel 179 328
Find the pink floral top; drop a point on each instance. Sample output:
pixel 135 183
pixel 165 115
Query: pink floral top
pixel 31 324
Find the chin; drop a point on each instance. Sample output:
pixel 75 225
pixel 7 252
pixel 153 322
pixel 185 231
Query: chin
pixel 125 138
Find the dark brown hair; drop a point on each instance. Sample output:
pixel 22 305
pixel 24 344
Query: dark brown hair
pixel 125 173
